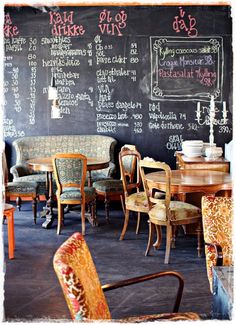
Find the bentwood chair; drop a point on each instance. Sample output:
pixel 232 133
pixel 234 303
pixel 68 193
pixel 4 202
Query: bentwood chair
pixel 217 219
pixel 84 294
pixel 19 190
pixel 166 212
pixel 112 189
pixel 135 200
pixel 70 174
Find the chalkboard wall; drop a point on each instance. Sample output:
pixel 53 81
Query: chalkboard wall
pixel 136 73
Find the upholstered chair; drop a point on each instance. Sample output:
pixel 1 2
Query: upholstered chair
pixel 135 200
pixel 84 294
pixel 166 212
pixel 19 190
pixel 112 189
pixel 217 218
pixel 70 174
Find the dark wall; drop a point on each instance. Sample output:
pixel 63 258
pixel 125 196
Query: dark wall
pixel 135 73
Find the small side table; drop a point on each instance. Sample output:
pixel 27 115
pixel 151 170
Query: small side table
pixel 223 285
pixel 8 212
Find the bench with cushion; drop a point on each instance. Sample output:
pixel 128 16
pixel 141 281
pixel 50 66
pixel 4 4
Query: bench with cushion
pixel 96 146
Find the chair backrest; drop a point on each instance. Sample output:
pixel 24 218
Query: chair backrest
pixel 147 166
pixel 129 163
pixel 79 280
pixel 217 218
pixel 129 159
pixel 70 170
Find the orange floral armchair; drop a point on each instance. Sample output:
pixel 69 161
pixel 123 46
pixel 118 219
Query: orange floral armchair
pixel 83 292
pixel 217 217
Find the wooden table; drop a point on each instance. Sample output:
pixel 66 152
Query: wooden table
pixel 45 164
pixel 193 181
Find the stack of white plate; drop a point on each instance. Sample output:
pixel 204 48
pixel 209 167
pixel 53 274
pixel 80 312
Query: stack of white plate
pixel 192 148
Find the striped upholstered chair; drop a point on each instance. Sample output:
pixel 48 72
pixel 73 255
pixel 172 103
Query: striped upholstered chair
pixel 84 294
pixel 217 218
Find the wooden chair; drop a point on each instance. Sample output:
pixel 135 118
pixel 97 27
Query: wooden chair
pixel 19 190
pixel 166 212
pixel 135 200
pixel 70 174
pixel 8 213
pixel 112 189
pixel 82 289
pixel 217 218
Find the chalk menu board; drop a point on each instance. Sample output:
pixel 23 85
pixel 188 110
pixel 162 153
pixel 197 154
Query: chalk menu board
pixel 135 73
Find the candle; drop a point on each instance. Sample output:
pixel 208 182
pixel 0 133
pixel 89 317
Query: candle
pixel 198 110
pixel 224 110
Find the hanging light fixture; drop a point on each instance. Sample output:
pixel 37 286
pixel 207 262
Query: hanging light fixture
pixel 53 95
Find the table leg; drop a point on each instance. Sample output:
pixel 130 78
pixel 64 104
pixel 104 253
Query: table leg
pixel 50 202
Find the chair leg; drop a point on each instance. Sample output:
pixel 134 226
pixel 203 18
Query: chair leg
pixel 60 217
pixel 122 203
pixel 199 239
pixel 18 203
pixel 11 235
pixel 83 217
pixel 34 208
pixel 138 223
pixel 174 234
pixel 106 203
pixel 150 237
pixel 157 244
pixel 168 243
pixel 125 225
pixel 94 212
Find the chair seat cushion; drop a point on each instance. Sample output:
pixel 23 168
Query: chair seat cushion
pixel 137 202
pixel 22 187
pixel 73 193
pixel 40 179
pixel 109 185
pixel 178 211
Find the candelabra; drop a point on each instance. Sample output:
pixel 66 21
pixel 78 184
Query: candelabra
pixel 210 119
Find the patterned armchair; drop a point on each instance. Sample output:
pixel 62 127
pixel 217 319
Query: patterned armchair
pixel 217 217
pixel 83 292
pixel 46 146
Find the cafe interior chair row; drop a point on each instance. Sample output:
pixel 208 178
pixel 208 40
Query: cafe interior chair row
pixel 70 174
pixel 217 219
pixel 84 294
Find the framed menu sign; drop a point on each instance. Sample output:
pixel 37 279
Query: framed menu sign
pixel 186 69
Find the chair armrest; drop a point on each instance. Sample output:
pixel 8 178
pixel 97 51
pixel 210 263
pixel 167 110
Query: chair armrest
pixel 19 170
pixel 112 169
pixel 127 282
pixel 219 253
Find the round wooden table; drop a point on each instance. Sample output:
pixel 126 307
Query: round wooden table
pixel 45 164
pixel 192 181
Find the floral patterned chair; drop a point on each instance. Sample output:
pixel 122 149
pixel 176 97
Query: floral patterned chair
pixel 83 292
pixel 166 212
pixel 70 173
pixel 217 217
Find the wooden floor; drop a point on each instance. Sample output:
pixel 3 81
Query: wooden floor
pixel 32 291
